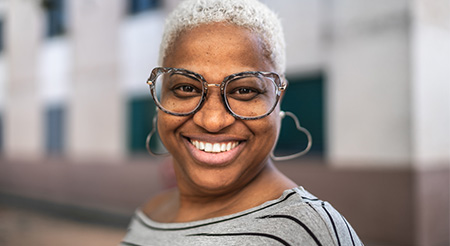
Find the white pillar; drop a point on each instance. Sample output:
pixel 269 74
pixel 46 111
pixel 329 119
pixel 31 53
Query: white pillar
pixel 431 83
pixel 96 108
pixel 369 83
pixel 23 118
pixel 303 30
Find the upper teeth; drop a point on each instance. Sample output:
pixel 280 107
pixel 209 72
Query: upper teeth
pixel 214 147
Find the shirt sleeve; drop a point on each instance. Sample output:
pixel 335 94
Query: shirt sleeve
pixel 340 230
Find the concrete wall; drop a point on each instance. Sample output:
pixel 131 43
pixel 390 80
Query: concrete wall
pixel 389 85
pixel 430 99
pixel 3 76
pixel 430 102
pixel 305 30
pixel 369 83
pixel 23 135
pixel 96 108
pixel 139 49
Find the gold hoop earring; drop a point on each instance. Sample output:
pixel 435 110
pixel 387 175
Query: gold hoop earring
pixel 299 128
pixel 149 137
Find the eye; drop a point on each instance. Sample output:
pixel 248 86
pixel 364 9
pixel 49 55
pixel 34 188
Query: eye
pixel 242 91
pixel 186 88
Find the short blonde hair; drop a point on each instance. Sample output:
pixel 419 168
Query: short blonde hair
pixel 250 14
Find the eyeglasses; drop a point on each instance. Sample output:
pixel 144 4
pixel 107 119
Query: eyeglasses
pixel 246 95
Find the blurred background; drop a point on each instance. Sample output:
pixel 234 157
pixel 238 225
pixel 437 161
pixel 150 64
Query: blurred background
pixel 369 79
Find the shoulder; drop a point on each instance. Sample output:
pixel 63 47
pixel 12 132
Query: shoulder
pixel 319 218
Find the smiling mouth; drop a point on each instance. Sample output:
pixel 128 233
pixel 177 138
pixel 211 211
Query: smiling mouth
pixel 214 147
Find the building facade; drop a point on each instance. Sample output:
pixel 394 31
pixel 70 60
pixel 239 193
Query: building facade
pixel 372 78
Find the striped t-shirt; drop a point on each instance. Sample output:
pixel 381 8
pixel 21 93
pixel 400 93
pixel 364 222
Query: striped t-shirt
pixel 296 218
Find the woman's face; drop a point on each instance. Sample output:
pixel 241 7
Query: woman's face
pixel 216 51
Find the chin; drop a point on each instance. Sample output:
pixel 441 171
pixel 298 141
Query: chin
pixel 214 182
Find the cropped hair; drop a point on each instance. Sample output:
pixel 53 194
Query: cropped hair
pixel 250 14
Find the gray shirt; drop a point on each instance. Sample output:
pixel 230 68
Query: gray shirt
pixel 296 218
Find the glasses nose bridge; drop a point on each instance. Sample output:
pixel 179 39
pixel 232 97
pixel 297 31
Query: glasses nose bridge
pixel 220 94
pixel 208 85
pixel 211 85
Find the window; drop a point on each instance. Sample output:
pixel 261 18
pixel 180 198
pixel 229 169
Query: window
pixel 55 130
pixel 305 98
pixel 55 15
pixel 138 6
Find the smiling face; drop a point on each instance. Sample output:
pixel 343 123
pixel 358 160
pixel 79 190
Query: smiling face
pixel 214 152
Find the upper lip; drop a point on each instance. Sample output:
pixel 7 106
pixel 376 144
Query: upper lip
pixel 213 138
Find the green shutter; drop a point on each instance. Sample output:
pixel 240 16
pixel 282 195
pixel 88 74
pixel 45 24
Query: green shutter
pixel 140 115
pixel 305 98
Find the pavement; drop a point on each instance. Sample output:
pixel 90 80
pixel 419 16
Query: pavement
pixel 21 227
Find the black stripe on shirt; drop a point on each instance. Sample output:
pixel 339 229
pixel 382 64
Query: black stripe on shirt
pixel 296 221
pixel 309 204
pixel 130 244
pixel 243 234
pixel 214 222
pixel 332 222
pixel 349 231
pixel 310 199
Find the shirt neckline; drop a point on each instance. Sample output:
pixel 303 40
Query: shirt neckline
pixel 154 225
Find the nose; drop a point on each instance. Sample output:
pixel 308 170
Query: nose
pixel 213 116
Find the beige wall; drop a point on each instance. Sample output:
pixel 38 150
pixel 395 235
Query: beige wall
pixel 431 82
pixel 3 76
pixel 139 50
pixel 96 108
pixel 369 83
pixel 388 92
pixel 23 118
pixel 304 30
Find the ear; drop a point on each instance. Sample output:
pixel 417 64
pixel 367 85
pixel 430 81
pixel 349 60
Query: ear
pixel 286 82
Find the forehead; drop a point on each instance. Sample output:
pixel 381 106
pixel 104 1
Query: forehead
pixel 220 48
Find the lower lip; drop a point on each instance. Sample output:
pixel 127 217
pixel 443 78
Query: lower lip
pixel 216 159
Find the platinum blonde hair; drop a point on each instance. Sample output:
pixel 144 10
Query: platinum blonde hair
pixel 250 14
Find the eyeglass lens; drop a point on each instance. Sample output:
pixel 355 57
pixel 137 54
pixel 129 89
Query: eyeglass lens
pixel 250 95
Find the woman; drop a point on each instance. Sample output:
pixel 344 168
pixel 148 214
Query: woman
pixel 217 92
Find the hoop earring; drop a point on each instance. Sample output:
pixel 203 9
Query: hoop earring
pixel 149 137
pixel 299 128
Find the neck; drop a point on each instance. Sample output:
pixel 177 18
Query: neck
pixel 269 184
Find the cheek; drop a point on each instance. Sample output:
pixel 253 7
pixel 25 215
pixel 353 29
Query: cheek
pixel 167 126
pixel 273 122
pixel 266 130
pixel 276 121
